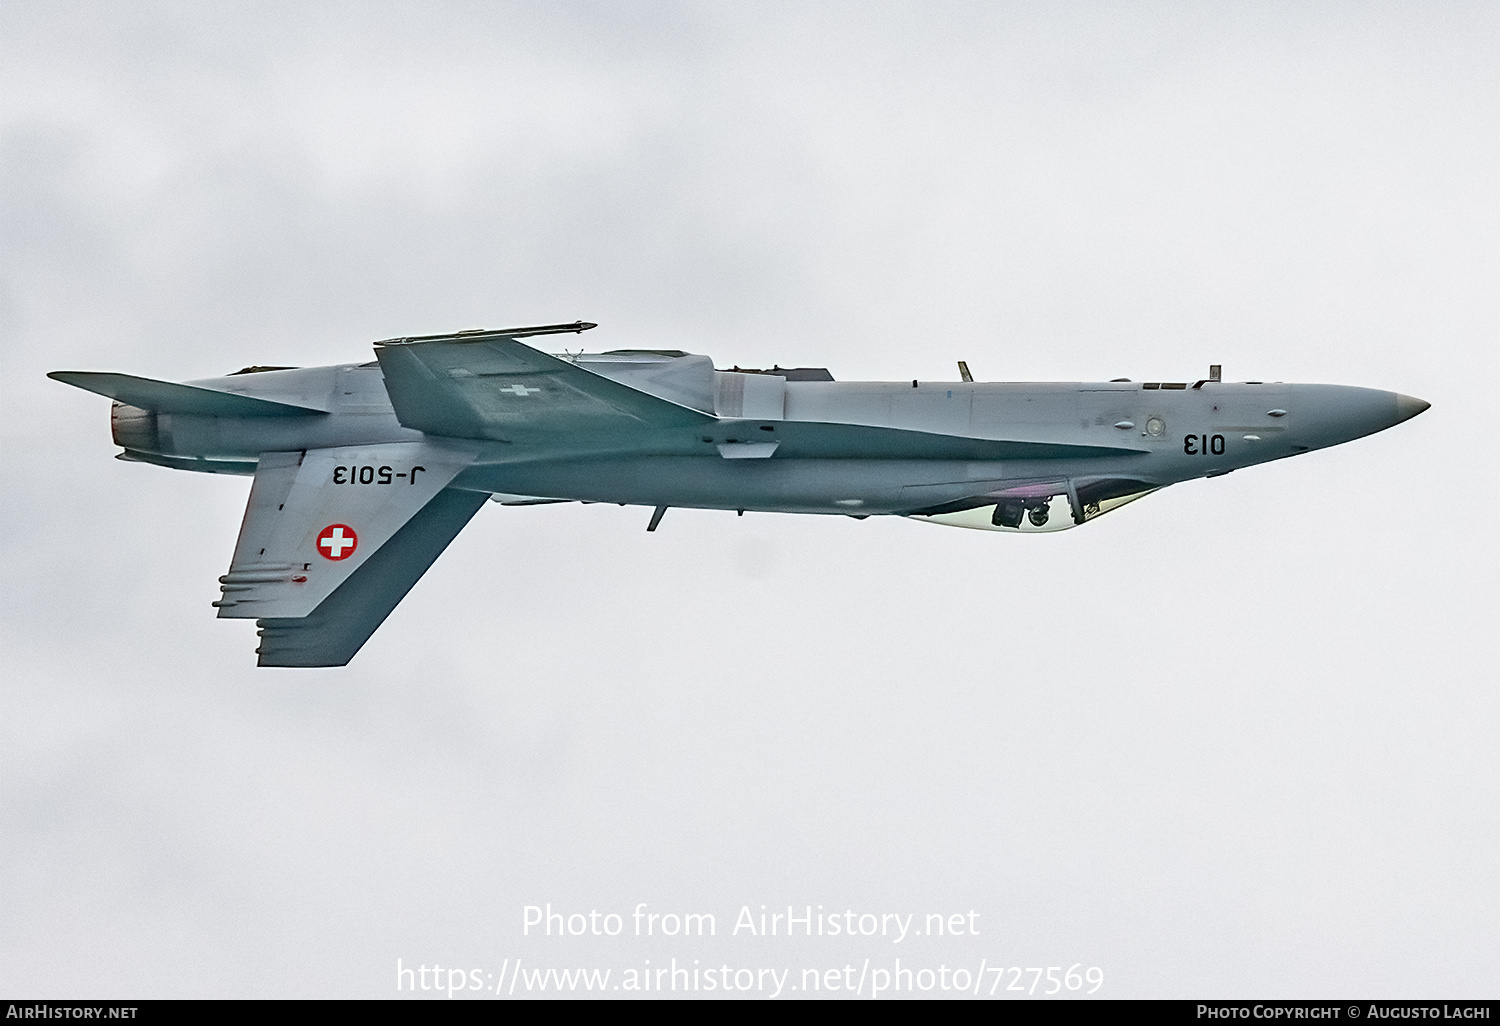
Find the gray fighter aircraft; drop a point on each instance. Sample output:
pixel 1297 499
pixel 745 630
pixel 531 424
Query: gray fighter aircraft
pixel 363 473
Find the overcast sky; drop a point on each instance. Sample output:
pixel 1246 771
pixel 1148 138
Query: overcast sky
pixel 1237 739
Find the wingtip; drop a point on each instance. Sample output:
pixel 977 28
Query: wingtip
pixel 484 334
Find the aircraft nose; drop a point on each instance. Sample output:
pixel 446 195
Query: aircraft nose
pixel 1330 414
pixel 1408 407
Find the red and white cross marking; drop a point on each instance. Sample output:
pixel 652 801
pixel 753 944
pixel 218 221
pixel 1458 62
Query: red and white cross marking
pixel 337 541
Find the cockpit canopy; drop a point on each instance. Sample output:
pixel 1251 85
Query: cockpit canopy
pixel 1042 506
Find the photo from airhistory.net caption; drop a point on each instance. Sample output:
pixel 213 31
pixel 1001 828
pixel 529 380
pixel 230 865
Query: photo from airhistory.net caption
pixel 1101 1010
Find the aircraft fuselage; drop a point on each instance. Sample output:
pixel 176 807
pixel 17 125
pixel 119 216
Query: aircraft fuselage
pixel 363 473
pixel 1173 432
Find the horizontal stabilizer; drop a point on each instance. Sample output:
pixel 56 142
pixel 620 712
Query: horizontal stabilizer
pixel 244 468
pixel 172 397
pixel 333 632
pixel 499 388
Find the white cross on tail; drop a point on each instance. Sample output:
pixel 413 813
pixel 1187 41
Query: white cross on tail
pixel 336 543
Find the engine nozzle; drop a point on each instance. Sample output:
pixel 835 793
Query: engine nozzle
pixel 134 428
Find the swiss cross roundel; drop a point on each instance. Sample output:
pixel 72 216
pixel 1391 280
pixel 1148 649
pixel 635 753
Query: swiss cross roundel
pixel 337 541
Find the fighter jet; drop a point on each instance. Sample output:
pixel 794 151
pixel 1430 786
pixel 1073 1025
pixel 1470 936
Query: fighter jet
pixel 364 472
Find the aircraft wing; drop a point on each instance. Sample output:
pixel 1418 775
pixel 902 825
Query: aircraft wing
pixel 315 518
pixel 341 623
pixel 494 387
